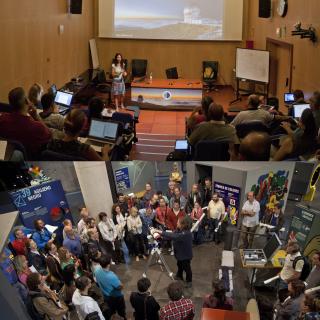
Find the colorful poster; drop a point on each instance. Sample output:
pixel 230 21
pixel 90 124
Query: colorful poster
pixel 271 189
pixel 231 199
pixel 122 179
pixel 46 201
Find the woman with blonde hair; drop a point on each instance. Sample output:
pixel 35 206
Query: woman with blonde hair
pixel 21 264
pixel 66 259
pixel 134 225
pixel 35 94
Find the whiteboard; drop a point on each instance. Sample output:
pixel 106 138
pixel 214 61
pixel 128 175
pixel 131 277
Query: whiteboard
pixel 253 65
pixel 94 54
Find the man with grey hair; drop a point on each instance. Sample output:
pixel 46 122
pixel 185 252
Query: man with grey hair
pixel 254 113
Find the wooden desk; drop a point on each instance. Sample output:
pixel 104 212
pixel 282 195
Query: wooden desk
pixel 168 93
pixel 216 314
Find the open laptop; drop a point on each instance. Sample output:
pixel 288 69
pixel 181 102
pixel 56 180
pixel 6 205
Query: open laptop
pixel 182 145
pixel 63 100
pixel 103 131
pixel 298 109
pixel 288 98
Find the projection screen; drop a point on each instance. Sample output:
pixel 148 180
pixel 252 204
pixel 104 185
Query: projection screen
pixel 171 19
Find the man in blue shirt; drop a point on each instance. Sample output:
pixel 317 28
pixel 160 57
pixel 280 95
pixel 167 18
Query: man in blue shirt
pixel 72 242
pixel 42 235
pixel 111 287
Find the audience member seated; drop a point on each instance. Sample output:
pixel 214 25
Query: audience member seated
pixel 298 96
pixel 315 107
pixel 36 258
pixel 302 141
pixel 310 308
pixel 19 243
pixel 70 145
pixel 254 113
pixel 255 147
pixel 290 308
pixel 42 235
pixel 179 308
pixel 199 115
pixel 111 287
pixel 144 304
pixel 313 279
pixel 218 299
pixel 21 265
pixel 24 125
pixel 35 94
pixel 179 197
pixel 84 304
pixel 215 129
pixel 44 301
pixel 50 114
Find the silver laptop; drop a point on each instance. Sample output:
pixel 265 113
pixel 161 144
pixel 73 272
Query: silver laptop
pixel 103 131
pixel 63 100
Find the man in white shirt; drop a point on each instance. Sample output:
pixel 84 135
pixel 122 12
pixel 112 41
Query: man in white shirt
pixel 293 265
pixel 82 301
pixel 84 214
pixel 215 214
pixel 250 220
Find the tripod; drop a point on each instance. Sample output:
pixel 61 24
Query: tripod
pixel 156 255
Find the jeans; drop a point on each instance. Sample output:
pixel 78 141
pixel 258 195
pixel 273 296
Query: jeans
pixel 213 224
pixel 116 304
pixel 184 265
pixel 125 251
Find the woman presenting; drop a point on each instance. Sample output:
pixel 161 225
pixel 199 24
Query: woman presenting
pixel 118 85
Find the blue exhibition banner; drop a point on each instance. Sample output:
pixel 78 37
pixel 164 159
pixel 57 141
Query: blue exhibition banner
pixel 231 199
pixel 46 201
pixel 122 179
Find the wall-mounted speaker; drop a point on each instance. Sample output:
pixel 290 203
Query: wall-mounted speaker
pixel 265 8
pixel 76 6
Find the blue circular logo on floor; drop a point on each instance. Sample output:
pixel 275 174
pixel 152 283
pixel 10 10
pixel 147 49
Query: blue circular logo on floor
pixel 167 95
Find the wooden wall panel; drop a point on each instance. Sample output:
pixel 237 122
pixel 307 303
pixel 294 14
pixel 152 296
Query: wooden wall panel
pixel 306 56
pixel 32 49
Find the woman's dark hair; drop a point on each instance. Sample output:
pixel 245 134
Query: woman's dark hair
pixel 89 220
pixel 143 284
pixel 309 122
pixel 33 281
pixel 114 214
pixel 312 303
pixel 95 108
pixel 47 101
pixel 122 63
pixel 53 269
pixel 219 293
pixel 102 215
pixel 82 282
pixel 298 94
pixel 175 290
pixel 186 223
pixel 298 288
pixel 68 274
pixel 205 103
pixel 74 122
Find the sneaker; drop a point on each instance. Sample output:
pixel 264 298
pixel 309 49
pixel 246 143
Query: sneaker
pixel 112 263
pixel 137 258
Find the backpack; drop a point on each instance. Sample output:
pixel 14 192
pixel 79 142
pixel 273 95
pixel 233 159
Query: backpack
pixel 306 267
pixel 33 312
pixel 92 316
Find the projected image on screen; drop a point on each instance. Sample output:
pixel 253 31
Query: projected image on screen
pixel 167 19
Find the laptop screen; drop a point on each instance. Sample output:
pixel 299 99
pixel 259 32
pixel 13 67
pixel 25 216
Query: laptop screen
pixel 272 246
pixel 298 109
pixel 181 145
pixel 63 98
pixel 288 97
pixel 103 130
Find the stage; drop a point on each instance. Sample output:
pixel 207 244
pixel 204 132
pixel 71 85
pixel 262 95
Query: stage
pixel 167 94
